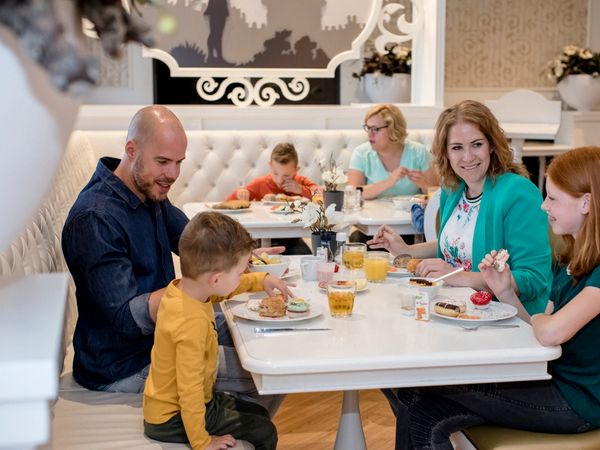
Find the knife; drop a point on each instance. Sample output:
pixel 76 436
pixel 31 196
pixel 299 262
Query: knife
pixel 271 330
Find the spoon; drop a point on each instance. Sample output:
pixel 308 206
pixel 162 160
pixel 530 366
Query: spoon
pixel 435 280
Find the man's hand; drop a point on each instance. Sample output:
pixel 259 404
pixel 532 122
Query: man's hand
pixel 271 283
pixel 243 194
pixel 221 442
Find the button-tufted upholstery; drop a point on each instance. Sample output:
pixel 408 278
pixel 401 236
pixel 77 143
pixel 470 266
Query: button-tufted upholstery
pixel 216 163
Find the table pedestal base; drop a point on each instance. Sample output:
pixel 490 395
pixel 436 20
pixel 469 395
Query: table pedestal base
pixel 350 434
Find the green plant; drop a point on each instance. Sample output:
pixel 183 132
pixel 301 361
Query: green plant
pixel 396 59
pixel 574 60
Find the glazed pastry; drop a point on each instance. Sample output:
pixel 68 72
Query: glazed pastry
pixel 297 305
pixel 481 299
pixel 450 309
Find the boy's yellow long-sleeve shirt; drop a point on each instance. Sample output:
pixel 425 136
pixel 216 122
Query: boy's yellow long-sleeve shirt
pixel 184 359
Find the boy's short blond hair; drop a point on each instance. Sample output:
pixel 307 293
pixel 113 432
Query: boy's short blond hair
pixel 212 242
pixel 285 153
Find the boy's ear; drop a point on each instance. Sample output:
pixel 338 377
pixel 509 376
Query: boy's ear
pixel 214 278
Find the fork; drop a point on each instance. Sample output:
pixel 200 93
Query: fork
pixel 476 326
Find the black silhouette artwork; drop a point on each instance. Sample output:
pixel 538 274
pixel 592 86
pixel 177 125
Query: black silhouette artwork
pixel 288 34
pixel 217 12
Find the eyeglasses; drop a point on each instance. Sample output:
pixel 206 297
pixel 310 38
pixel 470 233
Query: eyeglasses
pixel 373 130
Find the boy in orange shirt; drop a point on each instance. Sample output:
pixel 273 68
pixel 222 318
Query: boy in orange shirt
pixel 180 404
pixel 282 179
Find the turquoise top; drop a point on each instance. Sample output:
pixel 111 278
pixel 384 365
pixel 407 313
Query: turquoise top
pixel 415 156
pixel 510 217
pixel 577 372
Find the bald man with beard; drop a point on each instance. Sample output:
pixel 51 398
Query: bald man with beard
pixel 117 241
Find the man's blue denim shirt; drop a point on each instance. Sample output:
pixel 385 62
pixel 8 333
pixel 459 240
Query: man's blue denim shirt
pixel 118 250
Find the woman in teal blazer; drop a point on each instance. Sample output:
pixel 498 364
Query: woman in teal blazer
pixel 487 202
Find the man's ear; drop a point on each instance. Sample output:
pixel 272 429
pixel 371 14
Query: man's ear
pixel 585 203
pixel 130 149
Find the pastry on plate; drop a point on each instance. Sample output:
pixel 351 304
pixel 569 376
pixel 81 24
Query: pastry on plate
pixel 272 307
pixel 232 204
pixel 297 305
pixel 411 264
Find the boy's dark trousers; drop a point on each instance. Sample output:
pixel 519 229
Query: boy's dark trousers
pixel 225 414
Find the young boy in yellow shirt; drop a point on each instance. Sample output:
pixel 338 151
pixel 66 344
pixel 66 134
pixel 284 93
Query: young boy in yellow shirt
pixel 180 404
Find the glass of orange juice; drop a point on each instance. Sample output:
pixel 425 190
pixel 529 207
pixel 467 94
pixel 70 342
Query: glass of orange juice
pixel 353 255
pixel 340 295
pixel 376 265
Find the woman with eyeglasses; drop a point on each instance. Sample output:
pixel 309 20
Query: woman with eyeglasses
pixel 388 164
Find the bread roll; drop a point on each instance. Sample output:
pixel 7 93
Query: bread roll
pixel 272 307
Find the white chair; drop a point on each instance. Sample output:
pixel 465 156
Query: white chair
pixel 430 217
pixel 525 114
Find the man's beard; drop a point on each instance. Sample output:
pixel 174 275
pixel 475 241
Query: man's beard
pixel 145 187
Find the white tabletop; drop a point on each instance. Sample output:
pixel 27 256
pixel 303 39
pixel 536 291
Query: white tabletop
pixel 379 347
pixel 261 222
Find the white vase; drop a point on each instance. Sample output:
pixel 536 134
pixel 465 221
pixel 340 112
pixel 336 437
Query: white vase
pixel 35 124
pixel 384 89
pixel 581 92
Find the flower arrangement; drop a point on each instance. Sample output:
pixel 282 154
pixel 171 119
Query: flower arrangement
pixel 574 60
pixel 331 173
pixel 396 59
pixel 317 218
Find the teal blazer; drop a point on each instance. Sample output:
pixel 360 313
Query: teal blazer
pixel 510 217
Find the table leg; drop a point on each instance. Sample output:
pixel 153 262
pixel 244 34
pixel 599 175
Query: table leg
pixel 350 434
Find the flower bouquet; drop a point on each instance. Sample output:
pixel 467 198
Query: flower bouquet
pixel 332 176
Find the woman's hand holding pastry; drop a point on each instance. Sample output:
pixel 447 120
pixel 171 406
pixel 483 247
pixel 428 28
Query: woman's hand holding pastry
pixel 271 283
pixel 243 194
pixel 397 174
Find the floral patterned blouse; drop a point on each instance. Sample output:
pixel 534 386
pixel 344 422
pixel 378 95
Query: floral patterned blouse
pixel 456 239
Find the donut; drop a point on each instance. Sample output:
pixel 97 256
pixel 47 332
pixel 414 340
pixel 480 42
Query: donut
pixel 450 309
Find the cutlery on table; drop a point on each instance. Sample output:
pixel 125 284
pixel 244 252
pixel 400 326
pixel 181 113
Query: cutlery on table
pixel 272 330
pixel 435 280
pixel 476 326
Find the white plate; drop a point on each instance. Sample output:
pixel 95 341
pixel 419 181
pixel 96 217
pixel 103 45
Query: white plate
pixel 496 311
pixel 230 211
pixel 281 202
pixel 291 273
pixel 282 212
pixel 241 310
pixel 400 273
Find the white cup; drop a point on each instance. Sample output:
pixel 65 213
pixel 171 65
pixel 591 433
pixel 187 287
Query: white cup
pixel 308 266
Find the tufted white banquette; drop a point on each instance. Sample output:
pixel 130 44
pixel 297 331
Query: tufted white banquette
pixel 216 163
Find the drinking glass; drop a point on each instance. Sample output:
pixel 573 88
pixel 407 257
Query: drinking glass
pixel 376 266
pixel 353 256
pixel 340 295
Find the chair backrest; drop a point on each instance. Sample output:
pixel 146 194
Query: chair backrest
pixel 430 218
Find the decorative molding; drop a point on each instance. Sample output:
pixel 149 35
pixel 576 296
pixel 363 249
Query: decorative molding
pixel 406 28
pixel 261 93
